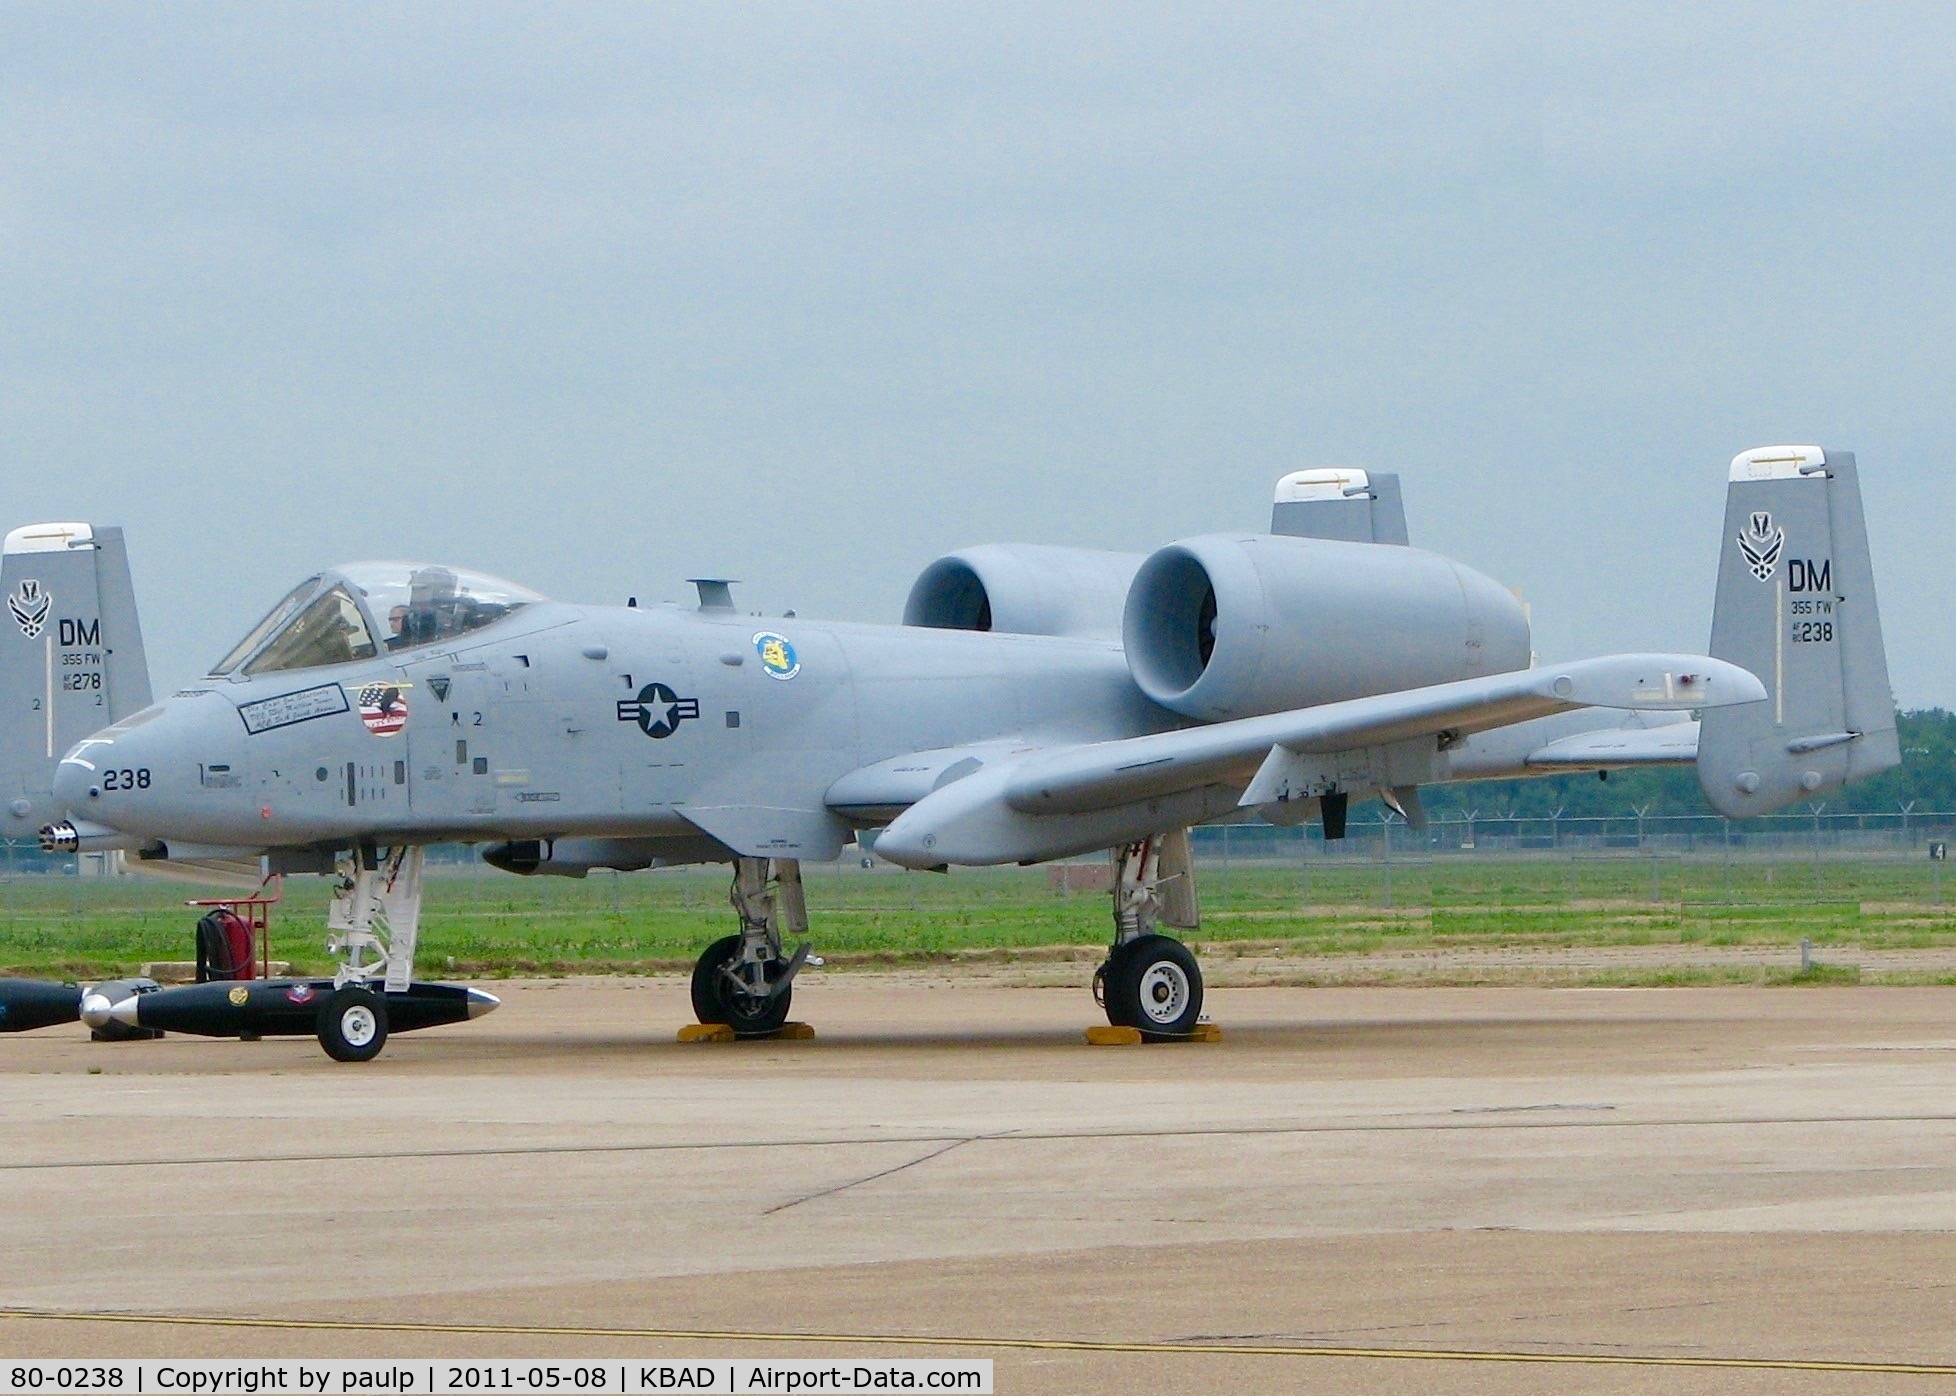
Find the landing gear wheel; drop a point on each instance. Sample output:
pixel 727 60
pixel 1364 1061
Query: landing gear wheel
pixel 1152 983
pixel 353 1024
pixel 718 999
pixel 1107 981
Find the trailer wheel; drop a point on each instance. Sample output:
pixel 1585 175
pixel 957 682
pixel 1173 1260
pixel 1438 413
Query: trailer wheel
pixel 353 1024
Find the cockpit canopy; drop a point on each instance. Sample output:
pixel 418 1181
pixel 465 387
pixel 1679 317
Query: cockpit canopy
pixel 366 608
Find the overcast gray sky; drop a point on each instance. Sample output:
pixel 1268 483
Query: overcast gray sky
pixel 603 296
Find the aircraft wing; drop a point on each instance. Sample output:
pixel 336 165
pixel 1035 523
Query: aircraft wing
pixel 1110 773
pixel 1034 804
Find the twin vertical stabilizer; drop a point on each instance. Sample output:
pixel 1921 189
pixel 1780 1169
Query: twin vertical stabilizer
pixel 1796 606
pixel 71 656
pixel 1344 505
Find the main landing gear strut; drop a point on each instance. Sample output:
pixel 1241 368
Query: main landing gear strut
pixel 1150 981
pixel 747 980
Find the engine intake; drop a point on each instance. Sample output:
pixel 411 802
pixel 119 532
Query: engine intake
pixel 1230 625
pixel 1024 589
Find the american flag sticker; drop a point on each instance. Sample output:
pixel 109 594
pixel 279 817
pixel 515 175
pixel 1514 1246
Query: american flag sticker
pixel 383 708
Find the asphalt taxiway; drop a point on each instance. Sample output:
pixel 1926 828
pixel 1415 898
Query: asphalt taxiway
pixel 1748 1189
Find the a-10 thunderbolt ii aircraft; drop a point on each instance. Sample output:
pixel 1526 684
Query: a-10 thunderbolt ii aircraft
pixel 1037 703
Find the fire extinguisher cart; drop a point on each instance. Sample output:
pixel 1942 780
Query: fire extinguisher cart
pixel 234 934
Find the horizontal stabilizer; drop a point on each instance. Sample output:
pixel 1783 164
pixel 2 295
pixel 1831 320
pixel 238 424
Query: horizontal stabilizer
pixel 1673 745
pixel 1588 739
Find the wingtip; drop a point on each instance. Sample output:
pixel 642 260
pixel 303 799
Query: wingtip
pixel 1654 682
pixel 1725 685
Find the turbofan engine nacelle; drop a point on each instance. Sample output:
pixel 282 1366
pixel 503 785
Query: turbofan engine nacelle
pixel 1024 589
pixel 1231 625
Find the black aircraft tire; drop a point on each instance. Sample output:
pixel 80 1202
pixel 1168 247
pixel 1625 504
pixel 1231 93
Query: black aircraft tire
pixel 716 1001
pixel 1102 977
pixel 353 1024
pixel 1153 984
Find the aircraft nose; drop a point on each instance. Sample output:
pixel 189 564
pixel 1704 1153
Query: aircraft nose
pixel 88 784
pixel 142 775
pixel 73 779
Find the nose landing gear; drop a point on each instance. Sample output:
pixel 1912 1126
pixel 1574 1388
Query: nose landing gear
pixel 373 923
pixel 746 981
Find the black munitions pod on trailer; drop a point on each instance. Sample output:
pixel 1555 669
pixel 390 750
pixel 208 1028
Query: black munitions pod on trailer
pixel 289 1007
pixel 26 1004
pixel 98 1010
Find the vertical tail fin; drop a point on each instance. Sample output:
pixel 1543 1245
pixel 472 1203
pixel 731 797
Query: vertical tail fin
pixel 71 656
pixel 1351 506
pixel 1796 606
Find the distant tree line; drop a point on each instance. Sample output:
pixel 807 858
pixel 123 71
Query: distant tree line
pixel 1927 776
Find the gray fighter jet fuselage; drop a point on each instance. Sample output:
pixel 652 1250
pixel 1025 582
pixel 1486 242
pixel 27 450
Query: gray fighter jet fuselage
pixel 398 704
pixel 1037 703
pixel 558 721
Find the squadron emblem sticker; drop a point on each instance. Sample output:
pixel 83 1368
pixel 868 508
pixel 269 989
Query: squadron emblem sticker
pixel 1761 544
pixel 383 708
pixel 238 996
pixel 657 710
pixel 30 607
pixel 778 657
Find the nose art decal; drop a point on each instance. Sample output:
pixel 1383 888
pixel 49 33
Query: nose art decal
pixel 288 708
pixel 383 708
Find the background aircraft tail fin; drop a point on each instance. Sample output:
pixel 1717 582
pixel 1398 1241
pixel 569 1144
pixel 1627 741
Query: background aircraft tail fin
pixel 1350 506
pixel 71 656
pixel 1796 606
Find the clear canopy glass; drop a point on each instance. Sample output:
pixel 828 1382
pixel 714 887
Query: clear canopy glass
pixel 356 611
pixel 328 630
pixel 274 618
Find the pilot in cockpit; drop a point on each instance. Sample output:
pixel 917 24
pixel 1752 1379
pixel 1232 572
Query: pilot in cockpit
pixel 430 612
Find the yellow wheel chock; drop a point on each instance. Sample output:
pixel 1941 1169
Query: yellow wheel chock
pixel 720 1032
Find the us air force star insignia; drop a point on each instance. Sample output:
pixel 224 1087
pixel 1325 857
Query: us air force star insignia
pixel 1761 545
pixel 657 710
pixel 30 607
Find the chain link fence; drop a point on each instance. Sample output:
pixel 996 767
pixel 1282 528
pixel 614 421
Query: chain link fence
pixel 1468 872
pixel 1500 858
